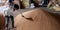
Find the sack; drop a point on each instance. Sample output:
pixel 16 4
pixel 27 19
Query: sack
pixel 25 3
pixel 56 8
pixel 21 5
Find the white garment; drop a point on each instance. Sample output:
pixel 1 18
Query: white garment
pixel 10 12
pixel 13 13
pixel 16 12
pixel 3 8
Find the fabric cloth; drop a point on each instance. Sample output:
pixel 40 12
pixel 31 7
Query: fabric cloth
pixel 13 13
pixel 3 8
pixel 10 12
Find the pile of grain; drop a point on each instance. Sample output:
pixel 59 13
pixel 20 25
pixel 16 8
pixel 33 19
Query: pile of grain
pixel 41 21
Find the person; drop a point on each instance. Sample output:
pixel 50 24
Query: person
pixel 45 3
pixel 10 14
pixel 16 10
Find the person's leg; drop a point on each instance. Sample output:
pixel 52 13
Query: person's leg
pixel 7 20
pixel 12 19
